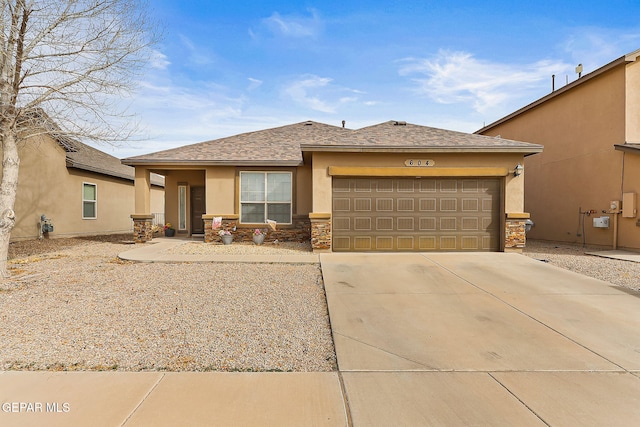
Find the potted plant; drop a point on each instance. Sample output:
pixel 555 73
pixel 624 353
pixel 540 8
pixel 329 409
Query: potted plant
pixel 169 231
pixel 258 236
pixel 226 236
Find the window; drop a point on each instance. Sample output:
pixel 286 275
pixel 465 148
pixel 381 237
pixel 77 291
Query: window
pixel 182 207
pixel 89 201
pixel 265 195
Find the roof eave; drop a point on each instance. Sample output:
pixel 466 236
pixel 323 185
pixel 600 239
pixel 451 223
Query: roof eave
pixel 200 163
pixel 533 149
pixel 628 148
pixel 81 166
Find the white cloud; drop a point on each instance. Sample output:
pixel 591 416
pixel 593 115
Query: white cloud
pixel 299 92
pixel 594 47
pixel 196 55
pixel 320 93
pixel 294 25
pixel 159 60
pixel 459 77
pixel 253 83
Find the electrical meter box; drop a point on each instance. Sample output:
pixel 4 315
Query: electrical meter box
pixel 629 201
pixel 601 222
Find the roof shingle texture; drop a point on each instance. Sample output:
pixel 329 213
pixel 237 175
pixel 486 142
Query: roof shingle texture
pixel 85 157
pixel 393 134
pixel 284 145
pixel 277 145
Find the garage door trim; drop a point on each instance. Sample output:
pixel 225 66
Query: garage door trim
pixel 417 171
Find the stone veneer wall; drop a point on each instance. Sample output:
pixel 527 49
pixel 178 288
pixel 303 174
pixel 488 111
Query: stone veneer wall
pixel 142 228
pixel 515 234
pixel 321 234
pixel 299 231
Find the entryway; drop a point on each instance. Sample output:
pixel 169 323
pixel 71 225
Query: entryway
pixel 198 208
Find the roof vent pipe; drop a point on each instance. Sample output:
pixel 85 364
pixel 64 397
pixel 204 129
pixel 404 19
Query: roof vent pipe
pixel 553 82
pixel 344 122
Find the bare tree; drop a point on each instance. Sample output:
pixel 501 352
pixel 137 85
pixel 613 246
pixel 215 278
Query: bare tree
pixel 66 69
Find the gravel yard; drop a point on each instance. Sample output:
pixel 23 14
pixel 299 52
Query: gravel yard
pixel 71 304
pixel 82 308
pixel 283 248
pixel 572 257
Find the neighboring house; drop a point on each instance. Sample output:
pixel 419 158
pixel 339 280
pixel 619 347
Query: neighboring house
pixel 389 187
pixel 82 190
pixel 590 130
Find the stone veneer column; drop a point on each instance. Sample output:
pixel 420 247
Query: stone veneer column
pixel 208 231
pixel 229 222
pixel 515 232
pixel 320 232
pixel 142 228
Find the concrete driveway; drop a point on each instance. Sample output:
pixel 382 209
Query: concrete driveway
pixel 481 339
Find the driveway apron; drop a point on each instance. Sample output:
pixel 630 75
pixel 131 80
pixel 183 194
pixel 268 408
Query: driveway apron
pixel 482 338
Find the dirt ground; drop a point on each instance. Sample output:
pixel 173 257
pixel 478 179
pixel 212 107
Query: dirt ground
pixel 26 248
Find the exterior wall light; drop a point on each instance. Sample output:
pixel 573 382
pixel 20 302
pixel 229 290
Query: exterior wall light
pixel 518 170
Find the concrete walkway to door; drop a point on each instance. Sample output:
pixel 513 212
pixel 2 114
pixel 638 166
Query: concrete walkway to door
pixel 481 339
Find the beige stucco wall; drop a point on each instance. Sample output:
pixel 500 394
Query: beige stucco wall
pixel 221 183
pixel 632 102
pixel 47 186
pixel 322 181
pixel 579 169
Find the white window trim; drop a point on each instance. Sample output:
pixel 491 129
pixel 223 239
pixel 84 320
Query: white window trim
pixel 94 201
pixel 290 202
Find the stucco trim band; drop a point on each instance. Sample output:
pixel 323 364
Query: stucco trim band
pixel 516 215
pixel 415 171
pixel 319 215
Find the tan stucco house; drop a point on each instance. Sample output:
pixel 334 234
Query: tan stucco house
pixel 394 186
pixel 583 188
pixel 82 190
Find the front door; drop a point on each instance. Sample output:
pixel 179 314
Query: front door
pixel 198 208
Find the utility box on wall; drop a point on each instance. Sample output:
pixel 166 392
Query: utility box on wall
pixel 601 222
pixel 629 205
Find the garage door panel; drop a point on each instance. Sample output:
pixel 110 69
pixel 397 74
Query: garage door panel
pixel 428 185
pixel 384 204
pixel 407 214
pixel 341 224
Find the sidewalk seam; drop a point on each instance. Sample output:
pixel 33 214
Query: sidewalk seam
pixel 518 399
pixel 142 401
pixel 345 400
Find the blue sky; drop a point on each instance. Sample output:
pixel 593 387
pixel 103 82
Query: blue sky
pixel 227 67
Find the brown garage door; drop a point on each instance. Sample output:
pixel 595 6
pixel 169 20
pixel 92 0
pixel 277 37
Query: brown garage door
pixel 413 214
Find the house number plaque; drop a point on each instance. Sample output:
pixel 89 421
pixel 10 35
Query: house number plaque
pixel 419 162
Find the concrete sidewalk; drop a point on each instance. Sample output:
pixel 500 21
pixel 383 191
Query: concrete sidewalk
pixel 170 399
pixel 617 254
pixel 158 251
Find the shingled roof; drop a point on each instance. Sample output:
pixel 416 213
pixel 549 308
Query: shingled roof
pixel 401 136
pixel 283 146
pixel 84 157
pixel 277 146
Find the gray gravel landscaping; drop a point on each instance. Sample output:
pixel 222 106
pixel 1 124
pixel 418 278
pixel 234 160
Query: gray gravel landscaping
pixel 81 308
pixel 572 257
